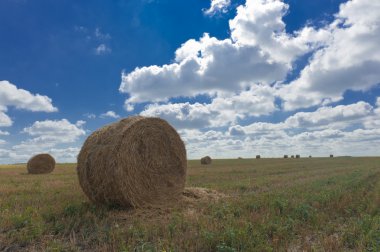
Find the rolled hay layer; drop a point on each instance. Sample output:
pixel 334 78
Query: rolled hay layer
pixel 206 160
pixel 136 162
pixel 40 164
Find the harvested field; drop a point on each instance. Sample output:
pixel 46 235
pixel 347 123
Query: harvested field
pixel 320 204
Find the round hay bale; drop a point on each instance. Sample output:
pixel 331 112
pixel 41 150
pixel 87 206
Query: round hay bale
pixel 206 160
pixel 258 156
pixel 298 156
pixel 331 155
pixel 136 162
pixel 40 164
pixel 310 156
pixel 292 156
pixel 285 156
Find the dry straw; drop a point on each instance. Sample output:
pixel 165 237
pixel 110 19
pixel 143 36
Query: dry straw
pixel 136 162
pixel 206 160
pixel 41 163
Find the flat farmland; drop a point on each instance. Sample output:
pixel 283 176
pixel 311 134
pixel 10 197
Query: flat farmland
pixel 307 204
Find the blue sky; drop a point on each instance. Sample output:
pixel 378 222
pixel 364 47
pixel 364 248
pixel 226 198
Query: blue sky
pixel 236 78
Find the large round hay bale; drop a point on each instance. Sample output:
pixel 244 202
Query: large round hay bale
pixel 41 163
pixel 331 155
pixel 298 156
pixel 258 156
pixel 285 156
pixel 138 161
pixel 206 160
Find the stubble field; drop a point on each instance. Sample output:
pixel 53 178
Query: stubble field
pixel 317 204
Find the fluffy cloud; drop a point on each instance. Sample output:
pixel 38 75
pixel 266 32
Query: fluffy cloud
pixel 349 60
pixel 47 136
pixel 256 101
pixel 244 76
pixel 339 117
pixel 327 116
pixel 5 120
pixel 110 114
pixel 217 6
pixel 208 66
pixel 58 131
pixel 259 23
pixel 11 96
pixel 258 52
pixel 4 133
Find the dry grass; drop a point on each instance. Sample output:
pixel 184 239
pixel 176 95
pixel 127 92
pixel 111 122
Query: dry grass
pixel 318 204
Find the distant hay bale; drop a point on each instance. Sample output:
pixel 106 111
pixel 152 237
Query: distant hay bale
pixel 240 158
pixel 298 156
pixel 331 155
pixel 206 160
pixel 285 156
pixel 40 164
pixel 292 156
pixel 310 156
pixel 136 162
pixel 258 156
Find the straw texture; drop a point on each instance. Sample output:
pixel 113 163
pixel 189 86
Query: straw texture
pixel 40 164
pixel 206 160
pixel 136 162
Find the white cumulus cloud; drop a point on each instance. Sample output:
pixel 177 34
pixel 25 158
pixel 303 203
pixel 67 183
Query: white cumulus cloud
pixel 350 59
pixel 217 6
pixel 110 114
pixel 11 96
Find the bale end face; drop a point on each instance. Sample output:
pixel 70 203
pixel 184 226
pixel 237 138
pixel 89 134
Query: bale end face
pixel 41 164
pixel 136 162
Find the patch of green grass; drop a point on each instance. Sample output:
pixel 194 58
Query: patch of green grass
pixel 319 204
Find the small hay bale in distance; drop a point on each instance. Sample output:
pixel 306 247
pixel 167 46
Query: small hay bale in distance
pixel 331 155
pixel 298 156
pixel 292 156
pixel 285 156
pixel 206 160
pixel 135 162
pixel 258 156
pixel 40 164
pixel 310 156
